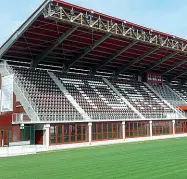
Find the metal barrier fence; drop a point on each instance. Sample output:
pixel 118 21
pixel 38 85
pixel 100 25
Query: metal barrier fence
pixel 17 136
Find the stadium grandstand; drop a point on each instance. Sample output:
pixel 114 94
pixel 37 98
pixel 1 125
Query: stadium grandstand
pixel 72 75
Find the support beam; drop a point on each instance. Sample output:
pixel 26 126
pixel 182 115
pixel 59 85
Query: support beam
pixel 123 130
pixel 46 136
pixel 99 22
pixel 151 128
pixel 178 75
pixel 69 96
pixel 183 81
pixel 175 66
pixel 5 47
pixel 158 62
pixel 49 49
pixel 113 56
pixel 86 51
pixel 123 99
pixel 173 124
pixel 90 132
pixel 128 65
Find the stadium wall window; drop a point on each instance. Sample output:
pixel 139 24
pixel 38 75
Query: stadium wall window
pixel 180 126
pixel 15 134
pixel 136 129
pixel 68 133
pixel 106 131
pixel 162 128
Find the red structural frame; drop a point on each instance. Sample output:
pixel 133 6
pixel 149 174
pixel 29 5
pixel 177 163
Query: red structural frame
pixel 9 134
pixel 106 131
pixel 42 32
pixel 154 78
pixel 162 128
pixel 68 133
pixel 137 129
pixel 180 126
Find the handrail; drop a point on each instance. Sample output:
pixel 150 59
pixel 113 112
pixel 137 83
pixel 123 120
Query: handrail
pixel 17 81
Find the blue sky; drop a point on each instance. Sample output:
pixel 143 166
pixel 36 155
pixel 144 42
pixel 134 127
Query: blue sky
pixel 164 15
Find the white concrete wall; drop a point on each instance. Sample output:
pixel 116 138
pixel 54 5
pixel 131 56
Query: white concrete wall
pixel 26 150
pixel 17 150
pixel 109 142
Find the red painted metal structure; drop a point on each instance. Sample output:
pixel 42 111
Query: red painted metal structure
pixel 65 37
pixel 68 133
pixel 154 78
pixel 115 53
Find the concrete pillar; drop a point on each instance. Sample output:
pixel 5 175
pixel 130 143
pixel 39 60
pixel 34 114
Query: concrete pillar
pixel 123 129
pixel 173 125
pixel 151 128
pixel 22 126
pixel 90 132
pixel 46 135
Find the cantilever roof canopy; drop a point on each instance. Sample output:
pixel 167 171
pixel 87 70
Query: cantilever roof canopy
pixel 59 35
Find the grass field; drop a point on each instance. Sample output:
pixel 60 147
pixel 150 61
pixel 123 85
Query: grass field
pixel 148 160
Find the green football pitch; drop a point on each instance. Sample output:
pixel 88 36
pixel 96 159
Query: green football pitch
pixel 147 160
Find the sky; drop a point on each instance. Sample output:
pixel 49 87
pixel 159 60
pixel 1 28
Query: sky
pixel 167 16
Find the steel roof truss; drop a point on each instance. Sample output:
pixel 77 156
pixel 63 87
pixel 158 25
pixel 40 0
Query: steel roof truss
pixel 178 75
pixel 97 22
pixel 44 53
pixel 22 29
pixel 156 63
pixel 126 66
pixel 86 51
pixel 113 56
pixel 175 66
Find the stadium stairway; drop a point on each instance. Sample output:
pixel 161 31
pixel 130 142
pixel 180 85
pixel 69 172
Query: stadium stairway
pixel 169 97
pixel 40 97
pixel 68 96
pixel 20 92
pixel 96 98
pixel 48 96
pixel 180 91
pixel 168 94
pixel 144 99
pixel 51 104
pixel 123 98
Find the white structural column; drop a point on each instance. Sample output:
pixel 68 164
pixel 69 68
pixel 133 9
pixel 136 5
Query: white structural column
pixel 151 128
pixel 46 135
pixel 173 122
pixel 90 132
pixel 123 129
